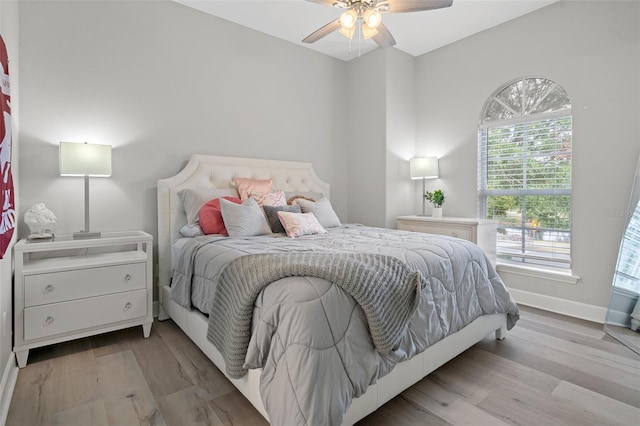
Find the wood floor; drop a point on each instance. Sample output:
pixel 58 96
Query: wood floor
pixel 550 370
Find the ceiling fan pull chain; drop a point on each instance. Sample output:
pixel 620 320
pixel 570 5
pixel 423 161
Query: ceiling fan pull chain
pixel 359 40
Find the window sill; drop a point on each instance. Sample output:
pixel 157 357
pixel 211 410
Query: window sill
pixel 566 277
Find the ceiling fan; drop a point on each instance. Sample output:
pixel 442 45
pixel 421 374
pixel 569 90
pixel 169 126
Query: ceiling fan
pixel 368 13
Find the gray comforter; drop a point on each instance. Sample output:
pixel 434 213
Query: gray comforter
pixel 312 338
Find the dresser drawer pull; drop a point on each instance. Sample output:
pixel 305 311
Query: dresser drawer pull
pixel 49 288
pixel 48 320
pixel 127 278
pixel 454 234
pixel 127 306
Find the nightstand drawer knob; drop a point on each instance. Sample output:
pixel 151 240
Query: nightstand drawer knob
pixel 127 278
pixel 454 234
pixel 48 320
pixel 49 288
pixel 127 306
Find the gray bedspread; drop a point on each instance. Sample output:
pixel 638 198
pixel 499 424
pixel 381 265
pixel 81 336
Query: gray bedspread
pixel 313 339
pixel 384 287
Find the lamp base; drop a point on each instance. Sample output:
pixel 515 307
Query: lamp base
pixel 84 235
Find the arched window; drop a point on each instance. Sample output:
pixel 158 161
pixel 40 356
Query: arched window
pixel 524 181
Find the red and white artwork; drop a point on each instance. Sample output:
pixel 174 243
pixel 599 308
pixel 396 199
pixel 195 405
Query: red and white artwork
pixel 8 219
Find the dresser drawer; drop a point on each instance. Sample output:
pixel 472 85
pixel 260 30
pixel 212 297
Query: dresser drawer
pixel 452 231
pixel 40 289
pixel 64 317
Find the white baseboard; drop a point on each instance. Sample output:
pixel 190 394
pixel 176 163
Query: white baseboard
pixel 560 306
pixel 621 319
pixel 9 378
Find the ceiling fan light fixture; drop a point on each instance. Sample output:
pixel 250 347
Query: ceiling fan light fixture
pixel 348 32
pixel 368 32
pixel 372 18
pixel 348 19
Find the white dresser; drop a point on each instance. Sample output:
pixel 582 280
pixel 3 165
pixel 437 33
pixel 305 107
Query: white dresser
pixel 479 231
pixel 66 289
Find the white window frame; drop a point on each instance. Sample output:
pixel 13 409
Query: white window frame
pixel 527 264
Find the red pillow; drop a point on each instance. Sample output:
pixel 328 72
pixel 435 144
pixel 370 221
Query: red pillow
pixel 210 216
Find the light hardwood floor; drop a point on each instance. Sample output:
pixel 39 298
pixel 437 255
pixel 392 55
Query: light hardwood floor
pixel 550 370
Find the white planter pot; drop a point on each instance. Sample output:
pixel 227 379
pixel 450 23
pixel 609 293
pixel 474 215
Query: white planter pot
pixel 436 212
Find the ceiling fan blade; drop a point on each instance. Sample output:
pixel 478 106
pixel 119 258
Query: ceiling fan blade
pixel 384 37
pixel 402 6
pixel 322 32
pixel 334 3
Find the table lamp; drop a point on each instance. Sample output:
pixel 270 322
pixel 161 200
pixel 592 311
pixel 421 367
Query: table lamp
pixel 423 168
pixel 88 160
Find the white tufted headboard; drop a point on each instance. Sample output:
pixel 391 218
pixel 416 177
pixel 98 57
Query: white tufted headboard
pixel 208 171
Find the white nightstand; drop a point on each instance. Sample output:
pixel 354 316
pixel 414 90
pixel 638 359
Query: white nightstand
pixel 66 289
pixel 479 231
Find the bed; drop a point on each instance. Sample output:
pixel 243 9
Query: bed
pixel 205 172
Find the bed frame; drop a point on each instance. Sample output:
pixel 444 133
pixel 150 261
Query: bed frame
pixel 205 171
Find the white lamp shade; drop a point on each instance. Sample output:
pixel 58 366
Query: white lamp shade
pixel 85 159
pixel 368 32
pixel 423 167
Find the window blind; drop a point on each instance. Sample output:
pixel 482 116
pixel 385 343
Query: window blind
pixel 525 184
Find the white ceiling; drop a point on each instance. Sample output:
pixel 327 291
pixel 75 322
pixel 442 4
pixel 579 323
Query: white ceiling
pixel 415 33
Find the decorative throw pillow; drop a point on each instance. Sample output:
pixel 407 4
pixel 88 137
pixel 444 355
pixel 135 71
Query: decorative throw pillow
pixel 297 224
pixel 244 220
pixel 191 231
pixel 246 186
pixel 323 211
pixel 194 199
pixel 272 216
pixel 210 216
pixel 275 198
pixel 311 196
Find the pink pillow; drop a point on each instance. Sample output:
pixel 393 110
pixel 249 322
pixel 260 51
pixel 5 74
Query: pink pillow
pixel 276 198
pixel 297 224
pixel 211 217
pixel 246 186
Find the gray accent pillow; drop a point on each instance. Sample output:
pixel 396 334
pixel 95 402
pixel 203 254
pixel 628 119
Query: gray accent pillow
pixel 272 216
pixel 323 211
pixel 244 220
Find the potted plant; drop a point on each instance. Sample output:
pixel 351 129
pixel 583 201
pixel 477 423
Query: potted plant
pixel 437 199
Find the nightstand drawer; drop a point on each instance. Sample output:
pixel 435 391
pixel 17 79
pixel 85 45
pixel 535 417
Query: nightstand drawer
pixel 452 231
pixel 58 318
pixel 40 289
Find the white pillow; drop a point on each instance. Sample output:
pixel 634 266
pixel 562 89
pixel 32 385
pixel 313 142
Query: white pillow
pixel 297 224
pixel 323 211
pixel 244 220
pixel 194 199
pixel 190 231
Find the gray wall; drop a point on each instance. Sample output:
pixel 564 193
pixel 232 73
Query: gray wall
pixel 160 81
pixel 401 135
pixel 382 136
pixel 592 49
pixel 366 102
